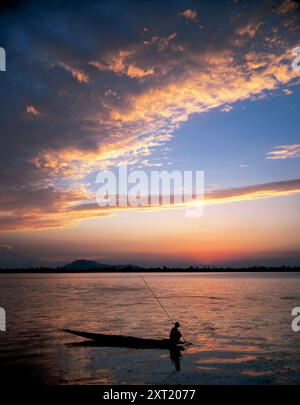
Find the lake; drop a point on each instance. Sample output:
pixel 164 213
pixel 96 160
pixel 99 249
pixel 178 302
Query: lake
pixel 239 323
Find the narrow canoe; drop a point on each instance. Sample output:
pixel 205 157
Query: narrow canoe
pixel 100 339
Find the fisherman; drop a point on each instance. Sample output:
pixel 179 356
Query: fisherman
pixel 175 334
pixel 175 351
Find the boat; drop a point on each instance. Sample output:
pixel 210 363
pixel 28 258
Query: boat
pixel 105 340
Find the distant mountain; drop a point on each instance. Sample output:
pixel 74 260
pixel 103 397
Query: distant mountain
pixel 84 264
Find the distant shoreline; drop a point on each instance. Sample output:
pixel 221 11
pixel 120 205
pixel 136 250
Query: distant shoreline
pixel 116 269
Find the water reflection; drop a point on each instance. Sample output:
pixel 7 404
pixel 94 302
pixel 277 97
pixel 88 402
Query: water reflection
pixel 175 351
pixel 243 338
pixel 175 355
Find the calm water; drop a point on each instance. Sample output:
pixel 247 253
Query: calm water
pixel 240 325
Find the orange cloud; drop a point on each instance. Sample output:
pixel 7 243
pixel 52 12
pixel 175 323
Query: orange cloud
pixel 146 120
pixel 78 75
pixel 33 110
pixel 189 14
pixel 284 152
pixel 254 192
pixel 220 83
pixel 66 209
pixel 287 6
pixel 74 163
pixel 221 196
pixel 249 29
pixel 120 64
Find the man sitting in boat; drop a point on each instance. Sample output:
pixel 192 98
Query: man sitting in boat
pixel 175 351
pixel 175 334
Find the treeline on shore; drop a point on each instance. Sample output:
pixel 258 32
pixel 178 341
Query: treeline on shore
pixel 163 269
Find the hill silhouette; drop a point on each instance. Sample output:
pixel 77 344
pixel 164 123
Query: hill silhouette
pixel 83 264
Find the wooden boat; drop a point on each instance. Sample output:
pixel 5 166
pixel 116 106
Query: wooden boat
pixel 103 340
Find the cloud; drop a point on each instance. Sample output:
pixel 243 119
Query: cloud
pixel 78 75
pixel 56 210
pixel 284 152
pixel 220 196
pixel 161 77
pixel 33 110
pixel 287 6
pixel 226 108
pixel 120 64
pixel 189 14
pixel 219 81
pixel 42 208
pixel 163 42
pixel 249 29
pixel 254 192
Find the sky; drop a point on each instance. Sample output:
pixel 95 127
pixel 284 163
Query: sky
pixel 157 85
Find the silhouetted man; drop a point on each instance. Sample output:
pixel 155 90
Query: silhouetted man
pixel 175 334
pixel 175 351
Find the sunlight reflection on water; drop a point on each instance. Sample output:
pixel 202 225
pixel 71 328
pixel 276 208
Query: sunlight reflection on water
pixel 239 324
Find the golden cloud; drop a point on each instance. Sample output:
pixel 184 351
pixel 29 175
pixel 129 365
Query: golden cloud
pixel 120 64
pixel 222 82
pixel 71 208
pixel 78 75
pixel 146 120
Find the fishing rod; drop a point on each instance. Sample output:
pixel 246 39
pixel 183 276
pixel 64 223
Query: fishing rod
pixel 164 309
pixel 155 296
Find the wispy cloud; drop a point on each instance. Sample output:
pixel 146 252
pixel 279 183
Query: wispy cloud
pixel 254 192
pixel 78 75
pixel 249 29
pixel 120 64
pixel 58 209
pixel 284 152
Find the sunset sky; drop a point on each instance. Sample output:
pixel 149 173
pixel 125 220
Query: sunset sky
pixel 159 85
